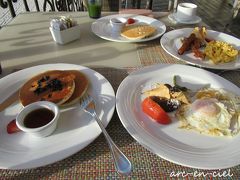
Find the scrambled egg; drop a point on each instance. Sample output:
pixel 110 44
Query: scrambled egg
pixel 213 112
pixel 220 52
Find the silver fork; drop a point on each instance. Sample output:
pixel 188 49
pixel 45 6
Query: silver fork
pixel 121 162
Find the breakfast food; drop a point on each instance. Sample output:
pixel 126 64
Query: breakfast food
pixel 60 87
pixel 12 127
pixel 162 99
pixel 81 86
pixel 220 52
pixel 213 112
pixel 166 91
pixel 55 86
pixel 155 111
pixel 215 51
pixel 139 31
pixel 131 21
pixel 196 40
pixel 208 110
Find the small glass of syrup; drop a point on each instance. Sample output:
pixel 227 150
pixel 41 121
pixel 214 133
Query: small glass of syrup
pixel 39 118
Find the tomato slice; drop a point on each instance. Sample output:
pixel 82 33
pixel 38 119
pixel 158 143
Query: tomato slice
pixel 155 111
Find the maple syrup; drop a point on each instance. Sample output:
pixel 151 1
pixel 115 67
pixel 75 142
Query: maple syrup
pixel 38 118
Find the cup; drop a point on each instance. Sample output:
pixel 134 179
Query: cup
pixel 186 11
pixel 117 24
pixel 38 119
pixel 94 8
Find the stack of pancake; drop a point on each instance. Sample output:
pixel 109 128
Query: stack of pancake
pixel 137 31
pixel 57 86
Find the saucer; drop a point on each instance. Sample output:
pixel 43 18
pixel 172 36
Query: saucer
pixel 195 20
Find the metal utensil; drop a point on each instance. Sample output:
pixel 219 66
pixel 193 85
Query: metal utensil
pixel 121 162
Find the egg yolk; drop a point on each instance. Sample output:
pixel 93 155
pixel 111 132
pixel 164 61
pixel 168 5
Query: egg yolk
pixel 205 107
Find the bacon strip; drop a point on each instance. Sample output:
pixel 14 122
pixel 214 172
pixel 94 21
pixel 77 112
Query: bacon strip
pixel 195 48
pixel 186 44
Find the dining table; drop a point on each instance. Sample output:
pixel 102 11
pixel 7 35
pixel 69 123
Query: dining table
pixel 27 42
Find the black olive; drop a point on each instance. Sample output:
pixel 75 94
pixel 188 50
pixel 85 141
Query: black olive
pixel 168 105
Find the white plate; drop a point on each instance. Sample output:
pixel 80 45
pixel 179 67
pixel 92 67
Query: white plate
pixel 75 129
pixel 171 42
pixel 183 147
pixel 102 28
pixel 195 20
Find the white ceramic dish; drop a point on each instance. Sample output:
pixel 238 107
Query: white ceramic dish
pixel 171 42
pixel 103 29
pixel 194 20
pixel 41 131
pixel 76 129
pixel 65 36
pixel 117 24
pixel 188 148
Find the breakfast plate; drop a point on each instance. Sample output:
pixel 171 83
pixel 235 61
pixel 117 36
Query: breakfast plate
pixel 172 41
pixel 184 147
pixel 103 29
pixel 75 129
pixel 194 20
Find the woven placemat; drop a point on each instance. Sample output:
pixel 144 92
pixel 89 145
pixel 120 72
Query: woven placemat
pixel 151 52
pixel 95 162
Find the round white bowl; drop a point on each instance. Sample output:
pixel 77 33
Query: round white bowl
pixel 117 23
pixel 44 130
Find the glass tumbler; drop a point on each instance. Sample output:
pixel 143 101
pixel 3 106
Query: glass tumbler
pixel 94 8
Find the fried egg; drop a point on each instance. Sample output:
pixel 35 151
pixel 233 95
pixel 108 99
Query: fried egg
pixel 214 115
